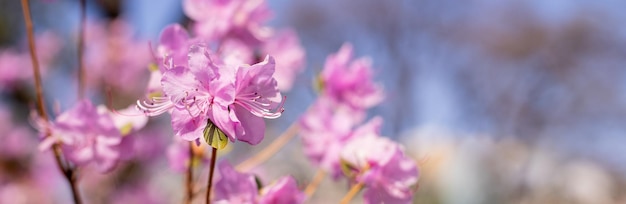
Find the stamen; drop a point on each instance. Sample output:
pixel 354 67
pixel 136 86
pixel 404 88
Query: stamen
pixel 158 106
pixel 258 109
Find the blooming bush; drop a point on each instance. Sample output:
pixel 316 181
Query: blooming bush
pixel 218 81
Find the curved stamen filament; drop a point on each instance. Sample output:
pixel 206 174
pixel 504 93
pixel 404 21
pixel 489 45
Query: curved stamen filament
pixel 158 106
pixel 258 108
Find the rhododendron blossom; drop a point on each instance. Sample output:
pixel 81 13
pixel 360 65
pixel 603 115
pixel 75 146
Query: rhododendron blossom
pixel 350 81
pixel 235 187
pixel 285 47
pixel 218 19
pixel 15 64
pixel 205 92
pixel 88 135
pixel 114 57
pixel 285 190
pixel 388 174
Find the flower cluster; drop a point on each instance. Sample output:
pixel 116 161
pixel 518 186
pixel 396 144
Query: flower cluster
pixel 206 92
pixel 336 141
pixel 217 83
pixel 15 64
pixel 218 80
pixel 88 134
pixel 239 27
pixel 235 187
pixel 114 58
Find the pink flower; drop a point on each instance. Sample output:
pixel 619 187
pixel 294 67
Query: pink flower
pixel 173 47
pixel 350 81
pixel 285 47
pixel 388 174
pixel 234 187
pixel 128 120
pixel 87 135
pixel 235 52
pixel 285 190
pixel 327 127
pixel 178 155
pixel 216 19
pixel 206 92
pixel 114 57
pixel 16 65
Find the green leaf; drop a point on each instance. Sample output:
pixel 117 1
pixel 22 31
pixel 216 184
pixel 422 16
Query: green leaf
pixel 214 136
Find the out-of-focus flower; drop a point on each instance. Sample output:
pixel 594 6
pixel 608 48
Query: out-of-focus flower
pixel 128 120
pixel 234 187
pixel 285 190
pixel 113 57
pixel 218 19
pixel 379 163
pixel 88 135
pixel 173 47
pixel 324 130
pixel 235 52
pixel 350 81
pixel 16 64
pixel 285 47
pixel 178 155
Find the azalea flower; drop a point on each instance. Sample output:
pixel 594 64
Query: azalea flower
pixel 235 187
pixel 218 19
pixel 15 64
pixel 285 190
pixel 88 136
pixel 113 57
pixel 206 96
pixel 327 127
pixel 285 47
pixel 388 174
pixel 350 81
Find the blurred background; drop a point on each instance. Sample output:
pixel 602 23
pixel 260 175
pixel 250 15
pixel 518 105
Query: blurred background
pixel 499 101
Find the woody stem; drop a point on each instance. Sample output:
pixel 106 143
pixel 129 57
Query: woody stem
pixel 211 170
pixel 67 172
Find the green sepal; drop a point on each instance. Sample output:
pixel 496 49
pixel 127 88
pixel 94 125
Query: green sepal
pixel 259 184
pixel 214 136
pixel 348 169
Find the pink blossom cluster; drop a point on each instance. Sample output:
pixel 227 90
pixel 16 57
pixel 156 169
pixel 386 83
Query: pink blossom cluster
pixel 239 27
pixel 203 91
pixel 236 187
pixel 15 64
pixel 89 134
pixel 337 142
pixel 218 80
pixel 115 58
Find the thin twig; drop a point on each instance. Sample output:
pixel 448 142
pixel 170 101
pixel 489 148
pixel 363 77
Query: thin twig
pixel 317 179
pixel 67 172
pixel 211 170
pixel 270 150
pixel 353 191
pixel 81 47
pixel 189 176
